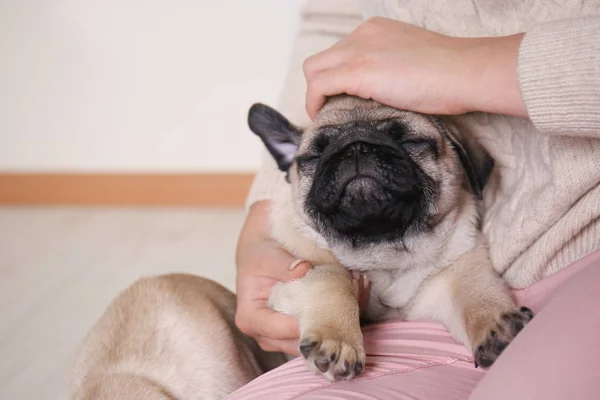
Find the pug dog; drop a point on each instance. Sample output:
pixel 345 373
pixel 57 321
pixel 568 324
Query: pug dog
pixel 389 193
pixel 392 194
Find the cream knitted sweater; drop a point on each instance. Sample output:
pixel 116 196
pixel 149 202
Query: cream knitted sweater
pixel 543 200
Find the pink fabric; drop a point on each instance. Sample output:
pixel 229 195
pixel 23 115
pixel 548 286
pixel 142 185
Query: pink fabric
pixel 556 357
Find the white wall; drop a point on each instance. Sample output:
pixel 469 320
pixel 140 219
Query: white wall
pixel 138 85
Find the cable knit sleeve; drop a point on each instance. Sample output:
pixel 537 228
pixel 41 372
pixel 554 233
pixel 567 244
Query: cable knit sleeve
pixel 559 74
pixel 323 23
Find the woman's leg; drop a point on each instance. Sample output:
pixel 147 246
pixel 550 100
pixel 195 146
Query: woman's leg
pixel 558 355
pixel 420 360
pixel 412 360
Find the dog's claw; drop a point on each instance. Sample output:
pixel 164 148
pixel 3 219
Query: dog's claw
pixel 358 368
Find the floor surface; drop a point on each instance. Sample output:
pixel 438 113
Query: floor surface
pixel 60 268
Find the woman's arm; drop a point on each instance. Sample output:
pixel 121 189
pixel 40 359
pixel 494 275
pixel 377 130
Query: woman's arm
pixel 411 68
pixel 551 74
pixel 261 263
pixel 559 74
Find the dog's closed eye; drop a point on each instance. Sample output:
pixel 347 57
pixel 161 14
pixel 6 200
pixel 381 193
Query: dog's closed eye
pixel 307 159
pixel 421 144
pixel 418 143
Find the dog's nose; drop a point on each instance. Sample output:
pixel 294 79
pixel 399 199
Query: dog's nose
pixel 356 148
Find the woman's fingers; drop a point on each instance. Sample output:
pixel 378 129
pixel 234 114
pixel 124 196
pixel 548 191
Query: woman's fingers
pixel 326 59
pixel 362 285
pixel 326 83
pixel 265 322
pixel 363 298
pixel 295 270
pixel 279 265
pixel 288 346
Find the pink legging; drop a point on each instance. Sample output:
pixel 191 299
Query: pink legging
pixel 557 356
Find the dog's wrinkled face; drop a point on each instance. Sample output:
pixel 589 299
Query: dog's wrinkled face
pixel 364 173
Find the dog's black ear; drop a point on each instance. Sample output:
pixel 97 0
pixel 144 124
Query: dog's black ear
pixel 475 160
pixel 277 133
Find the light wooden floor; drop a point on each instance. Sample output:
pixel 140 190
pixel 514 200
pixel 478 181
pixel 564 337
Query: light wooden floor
pixel 60 267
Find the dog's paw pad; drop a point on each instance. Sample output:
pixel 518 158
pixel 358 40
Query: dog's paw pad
pixel 336 359
pixel 500 335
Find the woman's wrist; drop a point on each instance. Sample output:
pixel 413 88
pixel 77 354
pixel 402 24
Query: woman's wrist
pixel 491 76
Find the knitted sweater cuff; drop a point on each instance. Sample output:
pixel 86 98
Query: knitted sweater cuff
pixel 559 74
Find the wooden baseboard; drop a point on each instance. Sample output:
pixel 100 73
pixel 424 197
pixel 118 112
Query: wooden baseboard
pixel 201 190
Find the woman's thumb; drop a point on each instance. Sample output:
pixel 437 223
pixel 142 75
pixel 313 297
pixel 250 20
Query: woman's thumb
pixel 297 269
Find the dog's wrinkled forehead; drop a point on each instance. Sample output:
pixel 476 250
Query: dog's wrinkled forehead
pixel 344 111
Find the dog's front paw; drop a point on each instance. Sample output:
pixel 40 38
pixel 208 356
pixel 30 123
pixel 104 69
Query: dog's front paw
pixel 499 335
pixel 335 357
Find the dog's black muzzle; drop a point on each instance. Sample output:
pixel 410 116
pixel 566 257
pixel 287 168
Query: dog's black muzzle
pixel 366 185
